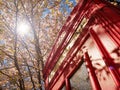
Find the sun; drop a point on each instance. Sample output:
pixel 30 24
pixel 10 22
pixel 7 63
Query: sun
pixel 23 28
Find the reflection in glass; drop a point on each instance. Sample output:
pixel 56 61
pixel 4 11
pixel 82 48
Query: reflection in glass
pixel 80 80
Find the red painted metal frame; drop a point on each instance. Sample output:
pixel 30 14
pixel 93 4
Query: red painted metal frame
pixel 67 82
pixel 93 78
pixel 92 10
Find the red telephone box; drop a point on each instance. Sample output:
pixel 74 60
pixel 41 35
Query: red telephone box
pixel 88 42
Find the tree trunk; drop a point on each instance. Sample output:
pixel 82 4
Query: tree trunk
pixel 30 74
pixel 21 81
pixel 40 63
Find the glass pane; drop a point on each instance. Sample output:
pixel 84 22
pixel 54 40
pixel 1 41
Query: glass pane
pixel 63 88
pixel 80 80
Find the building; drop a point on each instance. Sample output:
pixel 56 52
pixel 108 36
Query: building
pixel 87 47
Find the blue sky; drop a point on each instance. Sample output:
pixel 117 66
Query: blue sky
pixel 63 6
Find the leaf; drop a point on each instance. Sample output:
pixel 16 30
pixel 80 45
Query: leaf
pixel 52 11
pixel 0 1
pixel 67 1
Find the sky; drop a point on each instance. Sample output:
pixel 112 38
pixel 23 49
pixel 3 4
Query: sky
pixel 63 5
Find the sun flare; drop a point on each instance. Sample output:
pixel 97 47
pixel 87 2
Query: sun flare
pixel 23 28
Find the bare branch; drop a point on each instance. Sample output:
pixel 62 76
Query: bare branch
pixel 10 56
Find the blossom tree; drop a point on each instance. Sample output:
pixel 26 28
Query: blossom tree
pixel 28 29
